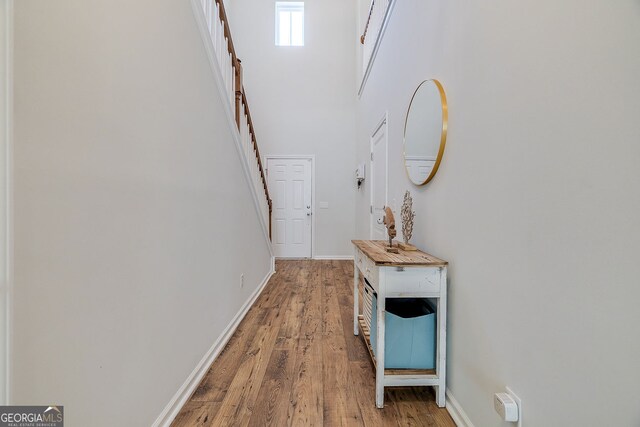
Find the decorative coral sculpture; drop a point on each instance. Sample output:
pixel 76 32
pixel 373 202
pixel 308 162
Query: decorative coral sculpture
pixel 408 214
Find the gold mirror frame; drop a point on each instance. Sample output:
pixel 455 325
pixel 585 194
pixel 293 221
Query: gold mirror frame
pixel 443 135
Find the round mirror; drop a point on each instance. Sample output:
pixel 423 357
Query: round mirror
pixel 425 132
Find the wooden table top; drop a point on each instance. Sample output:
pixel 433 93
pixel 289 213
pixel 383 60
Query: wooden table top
pixel 375 249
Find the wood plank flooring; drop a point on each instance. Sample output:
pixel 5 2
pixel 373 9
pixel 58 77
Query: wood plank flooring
pixel 294 361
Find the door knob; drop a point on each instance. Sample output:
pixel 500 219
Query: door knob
pixel 380 221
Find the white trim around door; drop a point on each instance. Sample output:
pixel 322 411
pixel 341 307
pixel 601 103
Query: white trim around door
pixel 382 123
pixel 6 195
pixel 311 157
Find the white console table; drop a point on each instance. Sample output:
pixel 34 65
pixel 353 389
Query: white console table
pixel 407 274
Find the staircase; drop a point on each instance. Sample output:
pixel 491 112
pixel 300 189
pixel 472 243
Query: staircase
pixel 214 27
pixel 377 18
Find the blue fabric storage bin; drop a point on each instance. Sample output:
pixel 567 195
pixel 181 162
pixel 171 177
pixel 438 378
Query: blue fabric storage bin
pixel 410 342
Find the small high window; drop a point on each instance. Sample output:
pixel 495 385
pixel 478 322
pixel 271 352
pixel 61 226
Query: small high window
pixel 289 23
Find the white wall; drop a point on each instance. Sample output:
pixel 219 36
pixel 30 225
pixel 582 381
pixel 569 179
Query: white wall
pixel 536 202
pixel 133 219
pixel 5 107
pixel 302 100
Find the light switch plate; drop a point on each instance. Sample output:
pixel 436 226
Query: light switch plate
pixel 324 205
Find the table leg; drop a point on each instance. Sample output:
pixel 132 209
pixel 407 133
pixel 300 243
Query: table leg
pixel 356 279
pixel 441 363
pixel 380 350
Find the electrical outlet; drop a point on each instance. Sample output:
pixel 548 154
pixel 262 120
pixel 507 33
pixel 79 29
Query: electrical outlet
pixel 242 280
pixel 519 403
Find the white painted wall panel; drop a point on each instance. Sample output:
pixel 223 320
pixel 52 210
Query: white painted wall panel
pixel 536 201
pixel 5 192
pixel 134 220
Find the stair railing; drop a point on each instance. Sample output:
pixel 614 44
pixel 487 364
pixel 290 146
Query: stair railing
pixel 218 26
pixel 377 18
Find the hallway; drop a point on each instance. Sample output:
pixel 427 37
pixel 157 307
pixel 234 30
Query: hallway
pixel 295 361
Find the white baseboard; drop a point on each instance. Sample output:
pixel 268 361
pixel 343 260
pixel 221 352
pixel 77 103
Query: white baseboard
pixel 457 413
pixel 333 257
pixel 186 390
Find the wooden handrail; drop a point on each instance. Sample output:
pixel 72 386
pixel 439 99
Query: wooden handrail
pixel 227 32
pixel 241 99
pixel 366 27
pixel 255 147
pixel 239 91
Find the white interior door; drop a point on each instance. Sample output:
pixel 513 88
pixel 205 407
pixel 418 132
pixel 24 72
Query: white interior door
pixel 290 189
pixel 378 181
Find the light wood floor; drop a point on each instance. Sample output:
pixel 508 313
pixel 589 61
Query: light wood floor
pixel 294 361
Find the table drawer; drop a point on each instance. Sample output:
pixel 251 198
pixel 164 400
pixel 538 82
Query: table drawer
pixel 368 268
pixel 411 281
pixel 371 272
pixel 360 260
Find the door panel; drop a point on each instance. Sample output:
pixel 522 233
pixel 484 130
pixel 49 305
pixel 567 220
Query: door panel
pixel 280 227
pixel 290 183
pixel 298 194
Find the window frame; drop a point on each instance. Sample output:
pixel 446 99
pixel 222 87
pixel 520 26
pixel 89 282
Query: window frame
pixel 288 6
